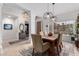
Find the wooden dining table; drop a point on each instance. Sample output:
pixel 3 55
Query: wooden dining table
pixel 51 40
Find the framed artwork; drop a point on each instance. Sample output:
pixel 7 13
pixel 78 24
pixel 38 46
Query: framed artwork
pixel 8 27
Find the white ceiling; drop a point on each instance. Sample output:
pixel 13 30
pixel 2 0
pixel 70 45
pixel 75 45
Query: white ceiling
pixel 40 8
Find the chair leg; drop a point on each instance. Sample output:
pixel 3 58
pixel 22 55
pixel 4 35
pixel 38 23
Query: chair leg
pixel 33 52
pixel 58 50
pixel 60 47
pixel 39 54
pixel 49 52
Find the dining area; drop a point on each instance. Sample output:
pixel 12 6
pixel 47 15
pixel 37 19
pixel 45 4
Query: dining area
pixel 50 44
pixel 45 40
pixel 39 29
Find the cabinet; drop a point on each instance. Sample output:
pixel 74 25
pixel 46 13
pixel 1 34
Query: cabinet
pixel 24 33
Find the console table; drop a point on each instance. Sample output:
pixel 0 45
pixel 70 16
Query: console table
pixel 22 36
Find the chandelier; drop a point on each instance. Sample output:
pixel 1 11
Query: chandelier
pixel 48 14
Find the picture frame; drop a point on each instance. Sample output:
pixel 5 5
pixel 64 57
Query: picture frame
pixel 8 26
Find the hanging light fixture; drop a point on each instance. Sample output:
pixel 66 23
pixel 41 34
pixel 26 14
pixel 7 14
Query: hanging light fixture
pixel 25 15
pixel 53 17
pixel 48 14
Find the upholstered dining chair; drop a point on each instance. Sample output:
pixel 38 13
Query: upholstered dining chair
pixel 58 43
pixel 38 45
pixel 50 34
pixel 42 33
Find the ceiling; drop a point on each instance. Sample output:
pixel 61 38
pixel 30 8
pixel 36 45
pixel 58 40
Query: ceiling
pixel 40 8
pixel 61 10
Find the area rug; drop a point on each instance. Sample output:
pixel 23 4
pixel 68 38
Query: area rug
pixel 28 52
pixel 67 50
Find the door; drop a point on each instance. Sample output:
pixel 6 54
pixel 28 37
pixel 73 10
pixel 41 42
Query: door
pixel 38 27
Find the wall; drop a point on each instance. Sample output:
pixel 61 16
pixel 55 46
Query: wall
pixel 11 15
pixel 0 30
pixel 11 34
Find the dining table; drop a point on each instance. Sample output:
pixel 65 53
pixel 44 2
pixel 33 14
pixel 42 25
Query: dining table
pixel 51 40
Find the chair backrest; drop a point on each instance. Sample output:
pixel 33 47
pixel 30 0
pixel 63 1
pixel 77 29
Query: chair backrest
pixel 42 33
pixel 37 42
pixel 59 38
pixel 50 34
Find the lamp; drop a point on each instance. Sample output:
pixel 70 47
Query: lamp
pixel 53 17
pixel 49 15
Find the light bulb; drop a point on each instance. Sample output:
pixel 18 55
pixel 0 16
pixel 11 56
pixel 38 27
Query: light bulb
pixel 48 16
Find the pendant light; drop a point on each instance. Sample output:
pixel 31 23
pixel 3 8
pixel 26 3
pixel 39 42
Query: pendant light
pixel 53 17
pixel 25 15
pixel 48 14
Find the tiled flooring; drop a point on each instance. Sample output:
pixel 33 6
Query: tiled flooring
pixel 69 49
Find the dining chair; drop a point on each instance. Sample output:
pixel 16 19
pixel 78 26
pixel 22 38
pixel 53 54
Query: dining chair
pixel 58 43
pixel 41 33
pixel 38 45
pixel 50 34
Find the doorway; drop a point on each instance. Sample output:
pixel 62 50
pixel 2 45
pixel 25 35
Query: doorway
pixel 38 27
